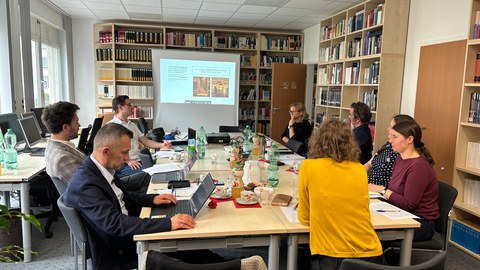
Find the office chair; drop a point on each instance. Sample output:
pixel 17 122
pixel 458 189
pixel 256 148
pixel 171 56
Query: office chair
pixel 296 146
pixel 229 129
pixel 446 198
pixel 82 141
pixel 97 124
pixel 142 125
pixel 156 134
pixel 77 226
pixel 434 263
pixel 146 158
pixel 153 260
pixel 42 193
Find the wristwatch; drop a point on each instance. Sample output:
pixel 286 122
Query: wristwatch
pixel 289 126
pixel 383 191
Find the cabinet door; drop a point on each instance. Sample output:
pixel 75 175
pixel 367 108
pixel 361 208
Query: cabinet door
pixel 288 86
pixel 439 85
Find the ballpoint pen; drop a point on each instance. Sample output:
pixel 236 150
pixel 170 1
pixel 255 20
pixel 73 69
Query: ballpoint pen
pixel 384 211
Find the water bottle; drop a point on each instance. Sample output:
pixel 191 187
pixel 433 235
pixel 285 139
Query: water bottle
pixel 190 149
pixel 272 171
pixel 10 158
pixel 201 142
pixel 2 149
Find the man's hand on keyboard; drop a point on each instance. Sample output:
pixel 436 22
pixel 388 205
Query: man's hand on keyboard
pixel 182 221
pixel 166 198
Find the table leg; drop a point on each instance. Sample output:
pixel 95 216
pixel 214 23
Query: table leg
pixel 141 247
pixel 292 251
pixel 406 248
pixel 274 252
pixel 26 227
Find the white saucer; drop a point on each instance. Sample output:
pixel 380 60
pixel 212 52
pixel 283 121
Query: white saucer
pixel 216 196
pixel 239 201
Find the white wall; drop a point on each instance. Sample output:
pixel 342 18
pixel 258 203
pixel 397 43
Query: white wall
pixel 431 22
pixel 311 37
pixel 83 70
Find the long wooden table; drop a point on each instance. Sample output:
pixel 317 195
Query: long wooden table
pixel 230 227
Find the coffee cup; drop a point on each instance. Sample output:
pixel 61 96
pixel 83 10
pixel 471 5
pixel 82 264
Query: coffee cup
pixel 221 192
pixel 177 157
pixel 248 197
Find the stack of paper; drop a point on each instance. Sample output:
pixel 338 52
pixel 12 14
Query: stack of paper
pixel 390 211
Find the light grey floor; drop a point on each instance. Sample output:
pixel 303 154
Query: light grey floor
pixel 54 253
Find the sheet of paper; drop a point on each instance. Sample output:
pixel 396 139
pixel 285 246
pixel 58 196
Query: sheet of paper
pixel 163 154
pixel 290 213
pixel 185 192
pixel 374 195
pixel 291 158
pixel 390 211
pixel 159 168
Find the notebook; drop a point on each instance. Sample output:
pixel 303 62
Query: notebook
pixel 174 175
pixel 191 206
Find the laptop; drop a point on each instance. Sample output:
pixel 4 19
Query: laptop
pixel 32 135
pixel 181 145
pixel 191 206
pixel 165 177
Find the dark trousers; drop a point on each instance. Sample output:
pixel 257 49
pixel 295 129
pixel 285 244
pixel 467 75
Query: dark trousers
pixel 137 182
pixel 425 232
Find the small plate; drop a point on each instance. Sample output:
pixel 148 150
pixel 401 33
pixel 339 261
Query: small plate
pixel 216 196
pixel 239 201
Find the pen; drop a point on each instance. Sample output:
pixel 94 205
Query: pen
pixel 384 211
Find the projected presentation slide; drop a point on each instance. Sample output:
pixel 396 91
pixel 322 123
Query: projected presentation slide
pixel 197 82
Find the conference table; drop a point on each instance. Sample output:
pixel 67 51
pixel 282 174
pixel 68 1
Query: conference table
pixel 231 227
pixel 19 179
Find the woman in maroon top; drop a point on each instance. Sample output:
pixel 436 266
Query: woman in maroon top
pixel 413 186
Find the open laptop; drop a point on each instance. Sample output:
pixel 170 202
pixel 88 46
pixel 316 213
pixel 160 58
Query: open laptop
pixel 191 206
pixel 32 135
pixel 179 146
pixel 174 175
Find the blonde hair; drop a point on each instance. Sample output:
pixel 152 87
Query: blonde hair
pixel 333 139
pixel 300 108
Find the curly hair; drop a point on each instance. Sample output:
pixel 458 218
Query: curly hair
pixel 118 100
pixel 361 111
pixel 333 139
pixel 54 116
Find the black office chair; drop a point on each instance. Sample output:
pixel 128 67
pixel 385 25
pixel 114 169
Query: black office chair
pixel 156 134
pixel 77 226
pixel 434 263
pixel 97 124
pixel 61 188
pixel 146 158
pixel 43 193
pixel 82 141
pixel 446 198
pixel 296 146
pixel 229 129
pixel 142 125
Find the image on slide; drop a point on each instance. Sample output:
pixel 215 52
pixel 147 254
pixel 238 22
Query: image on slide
pixel 220 87
pixel 201 86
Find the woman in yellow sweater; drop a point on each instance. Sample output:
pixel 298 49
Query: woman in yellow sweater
pixel 334 201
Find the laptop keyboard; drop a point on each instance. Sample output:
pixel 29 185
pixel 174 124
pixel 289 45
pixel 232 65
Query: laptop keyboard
pixel 37 152
pixel 182 207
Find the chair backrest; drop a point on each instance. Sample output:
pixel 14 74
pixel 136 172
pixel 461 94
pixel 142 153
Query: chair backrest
pixel 59 184
pixel 446 198
pixel 76 224
pixel 296 146
pixel 142 125
pixel 146 158
pixel 97 124
pixel 157 134
pixel 434 263
pixel 229 129
pixel 82 141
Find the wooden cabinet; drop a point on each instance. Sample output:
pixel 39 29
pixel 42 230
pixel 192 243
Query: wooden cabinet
pixel 465 229
pixel 123 62
pixel 361 58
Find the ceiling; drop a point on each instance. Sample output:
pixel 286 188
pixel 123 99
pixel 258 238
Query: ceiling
pixel 261 14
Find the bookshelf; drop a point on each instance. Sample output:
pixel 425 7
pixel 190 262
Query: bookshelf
pixel 465 229
pixel 123 62
pixel 361 58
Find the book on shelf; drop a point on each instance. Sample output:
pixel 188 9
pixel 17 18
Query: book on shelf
pixel 476 26
pixel 105 36
pixel 136 91
pixel 133 74
pixel 105 91
pixel 336 71
pixel 133 55
pixel 354 48
pixel 359 16
pixel 375 16
pixel 373 42
pixel 338 51
pixel 471 192
pixel 140 37
pixel 233 41
pixel 371 73
pixel 370 99
pixel 352 73
pixel 472 159
pixel 330 97
pixel 371 126
pixel 104 54
pixel 474 113
pixel 477 69
pixel 105 74
pixel 465 236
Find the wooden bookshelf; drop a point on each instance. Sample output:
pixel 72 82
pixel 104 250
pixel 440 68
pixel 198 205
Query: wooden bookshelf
pixel 375 68
pixel 466 211
pixel 117 56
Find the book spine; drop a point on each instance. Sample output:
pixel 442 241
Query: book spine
pixel 477 69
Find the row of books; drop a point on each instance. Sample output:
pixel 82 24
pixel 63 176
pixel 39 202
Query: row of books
pixel 142 111
pixel 264 113
pixel 141 37
pixel 474 114
pixel 352 73
pixel 370 98
pixel 476 27
pixel 136 91
pixel 473 155
pixel 471 192
pixel 247 60
pixel 336 73
pixel 105 36
pixel 247 94
pixel 373 42
pixel 355 22
pixel 375 16
pixel 247 77
pixel 268 60
pixel 292 43
pixel 235 42
pixel 247 113
pixel 263 128
pixel 105 74
pixel 105 91
pixel 465 236
pixel 264 94
pixel 189 40
pixel 331 97
pixel 331 31
pixel 133 74
pixel 354 48
pixel 124 55
pixel 266 78
pixel 322 76
pixel 338 51
pixel 371 74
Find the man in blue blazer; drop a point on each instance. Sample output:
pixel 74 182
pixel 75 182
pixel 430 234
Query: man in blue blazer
pixel 111 213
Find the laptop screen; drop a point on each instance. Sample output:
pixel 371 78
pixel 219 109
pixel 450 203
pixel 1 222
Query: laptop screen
pixel 202 194
pixel 192 133
pixel 30 131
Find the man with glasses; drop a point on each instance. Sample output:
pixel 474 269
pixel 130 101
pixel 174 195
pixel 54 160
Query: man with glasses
pixel 123 108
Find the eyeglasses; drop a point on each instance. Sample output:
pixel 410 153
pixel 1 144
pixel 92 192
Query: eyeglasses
pixel 292 111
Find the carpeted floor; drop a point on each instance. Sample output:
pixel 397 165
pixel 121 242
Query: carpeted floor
pixel 54 253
